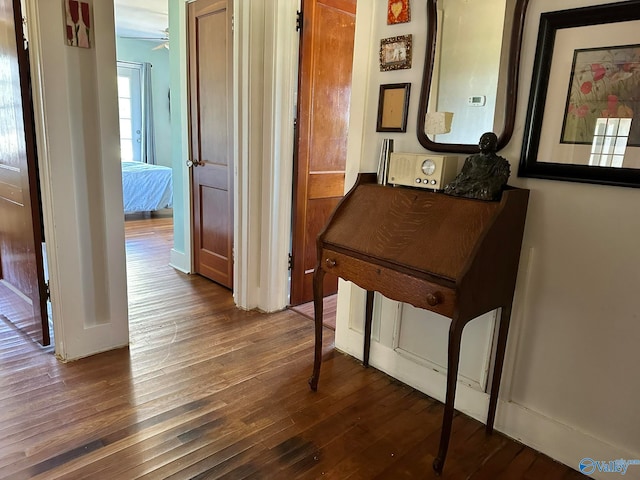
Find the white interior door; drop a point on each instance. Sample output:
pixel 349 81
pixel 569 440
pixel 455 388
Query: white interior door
pixel 422 337
pixel 411 344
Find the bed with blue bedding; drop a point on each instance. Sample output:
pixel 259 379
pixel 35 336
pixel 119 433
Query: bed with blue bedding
pixel 146 187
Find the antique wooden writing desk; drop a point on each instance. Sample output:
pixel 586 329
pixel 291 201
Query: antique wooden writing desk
pixel 454 256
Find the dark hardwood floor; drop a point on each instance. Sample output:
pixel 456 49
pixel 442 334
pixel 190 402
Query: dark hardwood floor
pixel 329 310
pixel 208 391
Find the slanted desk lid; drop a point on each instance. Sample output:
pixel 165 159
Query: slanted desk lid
pixel 426 231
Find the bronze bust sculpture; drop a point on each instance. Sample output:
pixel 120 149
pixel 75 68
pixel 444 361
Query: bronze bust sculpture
pixel 483 174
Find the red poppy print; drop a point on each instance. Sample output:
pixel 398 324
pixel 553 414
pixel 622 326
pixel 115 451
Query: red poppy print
pixel 598 71
pixel 603 83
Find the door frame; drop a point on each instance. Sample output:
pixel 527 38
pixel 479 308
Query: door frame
pixel 263 115
pixel 81 326
pixel 44 168
pixel 263 225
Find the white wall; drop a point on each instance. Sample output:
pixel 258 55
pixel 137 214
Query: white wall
pixel 569 388
pixel 579 331
pixel 81 179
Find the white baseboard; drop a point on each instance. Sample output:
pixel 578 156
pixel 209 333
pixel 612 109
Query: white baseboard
pixel 544 434
pixel 179 261
pixel 559 441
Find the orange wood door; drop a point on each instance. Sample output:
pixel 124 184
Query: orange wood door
pixel 22 298
pixel 210 57
pixel 324 93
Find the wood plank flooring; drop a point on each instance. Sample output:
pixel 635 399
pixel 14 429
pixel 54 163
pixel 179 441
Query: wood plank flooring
pixel 329 310
pixel 209 391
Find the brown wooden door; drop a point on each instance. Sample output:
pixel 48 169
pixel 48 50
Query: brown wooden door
pixel 210 57
pixel 22 298
pixel 324 93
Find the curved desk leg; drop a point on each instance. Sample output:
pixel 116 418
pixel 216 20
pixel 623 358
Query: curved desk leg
pixel 318 277
pixel 505 316
pixel 455 336
pixel 368 317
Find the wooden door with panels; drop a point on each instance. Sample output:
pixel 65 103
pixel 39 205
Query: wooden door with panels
pixel 324 94
pixel 211 113
pixel 23 296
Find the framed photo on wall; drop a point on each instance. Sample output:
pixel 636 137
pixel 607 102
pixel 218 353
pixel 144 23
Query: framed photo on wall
pixel 393 106
pixel 395 53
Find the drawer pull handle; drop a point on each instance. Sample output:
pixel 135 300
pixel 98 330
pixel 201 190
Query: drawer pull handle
pixel 330 262
pixel 434 299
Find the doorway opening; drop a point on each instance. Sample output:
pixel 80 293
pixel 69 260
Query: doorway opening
pixel 324 91
pixel 145 127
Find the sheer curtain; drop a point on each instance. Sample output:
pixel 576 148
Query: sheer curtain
pixel 148 137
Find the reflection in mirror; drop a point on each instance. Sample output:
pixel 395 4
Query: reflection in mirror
pixel 467 66
pixel 470 72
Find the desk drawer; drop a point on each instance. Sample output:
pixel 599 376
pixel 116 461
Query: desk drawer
pixel 390 283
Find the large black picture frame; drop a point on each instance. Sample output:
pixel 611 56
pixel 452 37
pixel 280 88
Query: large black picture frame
pixel 550 23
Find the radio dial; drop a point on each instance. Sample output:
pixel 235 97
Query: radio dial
pixel 428 167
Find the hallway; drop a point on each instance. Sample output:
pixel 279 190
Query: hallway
pixel 206 390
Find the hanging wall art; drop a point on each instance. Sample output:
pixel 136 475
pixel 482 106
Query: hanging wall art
pixel 77 23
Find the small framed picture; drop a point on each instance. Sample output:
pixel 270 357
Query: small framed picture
pixel 398 11
pixel 395 53
pixel 77 23
pixel 393 106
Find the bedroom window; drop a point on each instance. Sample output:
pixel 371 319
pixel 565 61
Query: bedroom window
pixel 136 117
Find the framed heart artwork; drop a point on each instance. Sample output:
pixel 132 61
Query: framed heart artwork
pixel 398 11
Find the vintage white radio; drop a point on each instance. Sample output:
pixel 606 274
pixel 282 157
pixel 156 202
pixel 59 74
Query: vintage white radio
pixel 424 170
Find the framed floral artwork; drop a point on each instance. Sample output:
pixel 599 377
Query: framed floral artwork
pixel 77 23
pixel 605 83
pixel 583 118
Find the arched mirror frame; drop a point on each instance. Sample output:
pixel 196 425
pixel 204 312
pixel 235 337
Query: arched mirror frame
pixel 511 81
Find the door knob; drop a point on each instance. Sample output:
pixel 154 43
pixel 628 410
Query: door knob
pixel 194 163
